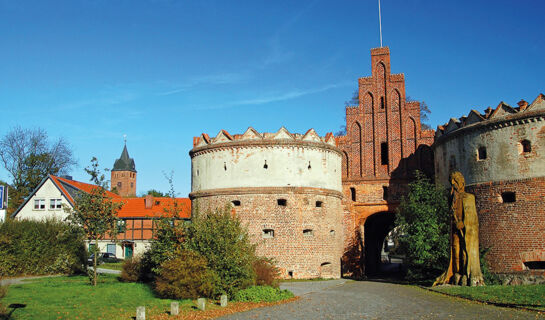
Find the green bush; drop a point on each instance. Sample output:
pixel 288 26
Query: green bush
pixel 423 229
pixel 131 270
pixel 186 276
pixel 3 293
pixel 40 247
pixel 266 272
pixel 489 277
pixel 262 294
pixel 224 242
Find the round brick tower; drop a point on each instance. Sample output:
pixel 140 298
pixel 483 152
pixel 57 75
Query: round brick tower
pixel 286 188
pixel 501 153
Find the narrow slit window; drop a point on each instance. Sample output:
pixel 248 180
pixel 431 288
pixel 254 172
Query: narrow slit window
pixel 384 153
pixel 384 192
pixel 265 166
pixel 225 166
pixel 308 232
pixel 268 233
pixel 353 193
pixel 481 152
pixel 236 203
pixel 319 204
pixel 382 102
pixel 282 202
pixel 526 146
pixel 508 197
pixel 309 166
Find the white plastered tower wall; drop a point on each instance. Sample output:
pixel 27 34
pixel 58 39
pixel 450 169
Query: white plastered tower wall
pixel 286 188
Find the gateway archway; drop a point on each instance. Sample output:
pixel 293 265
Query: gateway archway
pixel 376 228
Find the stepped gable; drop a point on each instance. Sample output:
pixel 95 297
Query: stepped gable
pixel 252 135
pixel 503 112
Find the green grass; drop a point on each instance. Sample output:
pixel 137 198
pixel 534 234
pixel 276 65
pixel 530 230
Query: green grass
pixel 530 296
pixel 112 265
pixel 74 298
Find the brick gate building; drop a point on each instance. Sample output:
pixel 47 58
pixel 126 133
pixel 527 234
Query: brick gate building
pixel 383 145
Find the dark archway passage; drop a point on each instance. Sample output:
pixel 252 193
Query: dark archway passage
pixel 376 229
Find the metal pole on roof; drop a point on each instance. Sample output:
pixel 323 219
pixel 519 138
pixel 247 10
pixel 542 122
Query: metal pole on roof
pixel 380 23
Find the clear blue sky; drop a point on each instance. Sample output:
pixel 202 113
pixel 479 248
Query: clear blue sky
pixel 162 72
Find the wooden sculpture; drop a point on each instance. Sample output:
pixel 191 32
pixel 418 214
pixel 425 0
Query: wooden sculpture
pixel 464 266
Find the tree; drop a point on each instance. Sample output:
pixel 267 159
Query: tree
pixel 95 213
pixel 156 193
pixel 29 156
pixel 423 229
pixel 224 242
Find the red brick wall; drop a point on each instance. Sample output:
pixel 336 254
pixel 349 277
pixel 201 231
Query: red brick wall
pixel 127 180
pixel 382 116
pixel 514 232
pixel 306 256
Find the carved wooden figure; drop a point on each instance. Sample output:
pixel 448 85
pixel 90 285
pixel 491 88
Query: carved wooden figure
pixel 464 265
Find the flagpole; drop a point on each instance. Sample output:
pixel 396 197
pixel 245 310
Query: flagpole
pixel 380 23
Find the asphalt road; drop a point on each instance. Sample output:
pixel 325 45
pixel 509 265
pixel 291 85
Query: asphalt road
pixel 376 300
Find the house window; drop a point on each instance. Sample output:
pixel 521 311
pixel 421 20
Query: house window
pixel 526 146
pixel 119 185
pixel 111 248
pixel 508 197
pixel 121 226
pixel 481 153
pixel 353 193
pixel 282 202
pixel 319 204
pixel 384 153
pixel 39 204
pixel 267 233
pixel 236 203
pixel 55 204
pixel 308 232
pixel 132 184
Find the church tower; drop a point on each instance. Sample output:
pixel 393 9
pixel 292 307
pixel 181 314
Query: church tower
pixel 124 175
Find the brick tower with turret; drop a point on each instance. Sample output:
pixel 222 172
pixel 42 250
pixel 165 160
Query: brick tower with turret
pixel 124 175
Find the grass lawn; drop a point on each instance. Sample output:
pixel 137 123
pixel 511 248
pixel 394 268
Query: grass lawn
pixel 74 298
pixel 531 296
pixel 112 265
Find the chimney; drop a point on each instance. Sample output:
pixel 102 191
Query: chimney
pixel 148 201
pixel 522 105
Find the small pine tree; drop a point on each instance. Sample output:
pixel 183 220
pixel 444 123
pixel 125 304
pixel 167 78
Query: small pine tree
pixel 423 232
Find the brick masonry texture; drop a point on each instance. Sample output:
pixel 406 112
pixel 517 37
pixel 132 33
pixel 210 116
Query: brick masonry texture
pixel 383 122
pixel 514 232
pixel 124 182
pixel 311 255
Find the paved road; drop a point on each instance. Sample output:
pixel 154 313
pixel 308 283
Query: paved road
pixel 376 300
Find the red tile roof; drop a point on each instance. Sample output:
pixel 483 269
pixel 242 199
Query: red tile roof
pixel 132 207
pixel 136 207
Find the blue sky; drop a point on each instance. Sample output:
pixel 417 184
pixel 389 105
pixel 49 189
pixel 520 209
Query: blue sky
pixel 162 72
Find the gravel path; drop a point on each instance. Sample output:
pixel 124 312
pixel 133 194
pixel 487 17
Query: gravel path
pixel 376 300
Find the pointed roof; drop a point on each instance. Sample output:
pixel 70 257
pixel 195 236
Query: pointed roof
pixel 124 163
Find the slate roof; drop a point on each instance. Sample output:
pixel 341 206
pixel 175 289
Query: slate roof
pixel 124 163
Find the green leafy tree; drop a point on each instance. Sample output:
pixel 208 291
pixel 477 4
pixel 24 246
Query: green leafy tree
pixel 95 213
pixel 423 229
pixel 156 193
pixel 224 242
pixel 28 156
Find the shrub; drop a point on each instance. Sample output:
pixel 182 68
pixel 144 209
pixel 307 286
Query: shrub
pixel 3 293
pixel 266 272
pixel 423 220
pixel 40 247
pixel 224 242
pixel 186 276
pixel 131 270
pixel 262 294
pixel 489 277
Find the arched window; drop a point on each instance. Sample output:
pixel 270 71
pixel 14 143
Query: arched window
pixel 353 193
pixel 236 203
pixel 526 146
